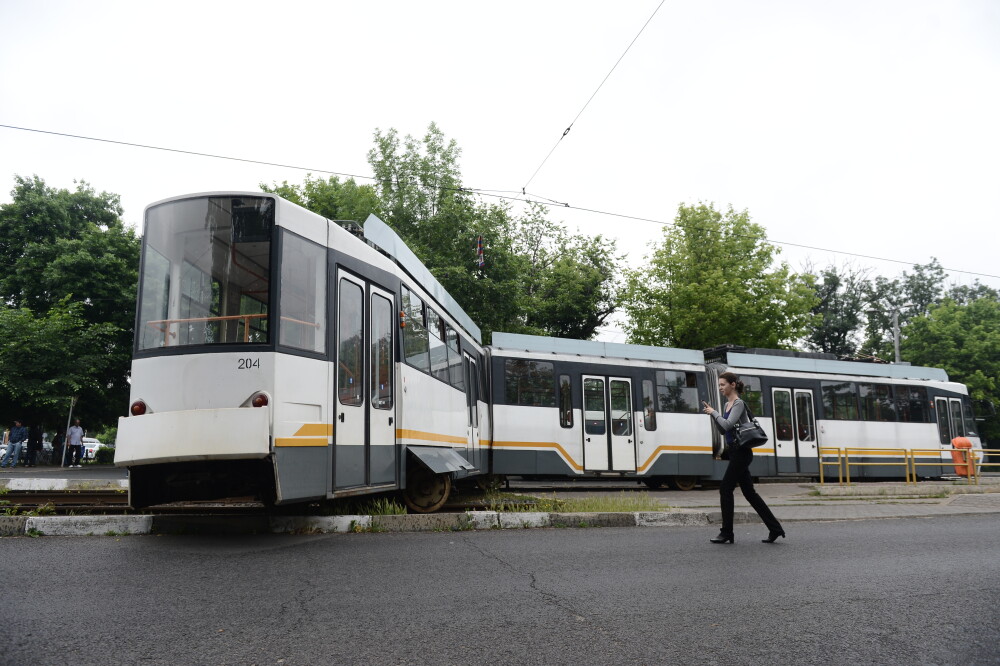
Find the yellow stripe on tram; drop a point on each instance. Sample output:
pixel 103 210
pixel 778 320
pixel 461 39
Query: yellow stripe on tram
pixel 301 441
pixel 430 436
pixel 671 448
pixel 541 445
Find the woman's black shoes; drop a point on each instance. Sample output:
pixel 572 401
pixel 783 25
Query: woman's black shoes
pixel 723 538
pixel 773 535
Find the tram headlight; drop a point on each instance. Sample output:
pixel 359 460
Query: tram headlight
pixel 259 400
pixel 138 408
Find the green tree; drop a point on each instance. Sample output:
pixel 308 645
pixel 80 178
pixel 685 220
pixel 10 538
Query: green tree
pixel 335 200
pixel 48 358
pixel 910 296
pixel 839 310
pixel 964 340
pixel 70 263
pixel 713 281
pixel 537 277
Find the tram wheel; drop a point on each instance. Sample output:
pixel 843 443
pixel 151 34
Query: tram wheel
pixel 426 491
pixel 685 482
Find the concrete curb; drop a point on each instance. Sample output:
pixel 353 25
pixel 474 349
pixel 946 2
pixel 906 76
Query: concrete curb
pixel 88 525
pixel 46 485
pixel 445 522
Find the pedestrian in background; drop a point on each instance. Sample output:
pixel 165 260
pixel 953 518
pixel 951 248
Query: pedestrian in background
pixel 74 440
pixel 34 445
pixel 18 435
pixel 57 449
pixel 740 457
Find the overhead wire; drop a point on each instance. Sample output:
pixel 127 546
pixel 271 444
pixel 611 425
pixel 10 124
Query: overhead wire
pixel 482 192
pixel 601 85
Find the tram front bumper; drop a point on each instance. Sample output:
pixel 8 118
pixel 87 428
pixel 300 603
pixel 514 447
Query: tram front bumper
pixel 197 434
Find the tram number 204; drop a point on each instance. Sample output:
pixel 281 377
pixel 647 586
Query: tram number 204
pixel 248 363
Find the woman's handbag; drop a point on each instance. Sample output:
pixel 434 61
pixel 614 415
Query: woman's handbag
pixel 750 435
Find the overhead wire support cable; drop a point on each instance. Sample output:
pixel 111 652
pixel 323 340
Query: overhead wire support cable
pixel 544 201
pixel 573 122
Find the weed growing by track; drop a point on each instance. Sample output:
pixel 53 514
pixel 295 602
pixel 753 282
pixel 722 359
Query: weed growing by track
pixel 623 502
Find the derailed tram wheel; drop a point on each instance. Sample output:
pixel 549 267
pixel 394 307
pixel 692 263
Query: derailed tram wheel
pixel 685 482
pixel 425 491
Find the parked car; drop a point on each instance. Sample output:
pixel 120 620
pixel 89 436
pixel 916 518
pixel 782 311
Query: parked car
pixel 44 456
pixel 90 446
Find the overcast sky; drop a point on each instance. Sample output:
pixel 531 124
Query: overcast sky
pixel 860 126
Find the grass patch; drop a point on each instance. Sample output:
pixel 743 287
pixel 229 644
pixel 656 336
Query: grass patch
pixel 371 506
pixel 623 502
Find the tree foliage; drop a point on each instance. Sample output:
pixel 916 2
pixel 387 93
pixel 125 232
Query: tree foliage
pixel 839 312
pixel 331 198
pixel 713 280
pixel 537 277
pixel 69 294
pixel 910 295
pixel 964 340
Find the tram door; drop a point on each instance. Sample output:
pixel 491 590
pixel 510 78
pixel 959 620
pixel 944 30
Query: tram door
pixel 381 409
pixel 608 431
pixel 795 443
pixel 363 427
pixel 473 450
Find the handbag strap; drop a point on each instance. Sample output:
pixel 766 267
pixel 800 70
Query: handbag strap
pixel 746 408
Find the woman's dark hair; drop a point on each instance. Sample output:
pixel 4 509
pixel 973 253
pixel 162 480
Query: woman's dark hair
pixel 732 378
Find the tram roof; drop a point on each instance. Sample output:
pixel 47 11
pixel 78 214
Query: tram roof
pixel 544 344
pixel 379 233
pixel 826 366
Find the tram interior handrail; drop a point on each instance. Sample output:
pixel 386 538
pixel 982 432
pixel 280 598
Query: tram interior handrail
pixel 163 325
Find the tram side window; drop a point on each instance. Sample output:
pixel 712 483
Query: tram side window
pixel 648 405
pixel 381 351
pixel 416 345
pixel 565 401
pixel 911 404
pixel 970 420
pixel 677 391
pixel 303 295
pixel 456 375
pixel 877 403
pixel 438 350
pixel 752 394
pixel 840 400
pixel 350 355
pixel 530 383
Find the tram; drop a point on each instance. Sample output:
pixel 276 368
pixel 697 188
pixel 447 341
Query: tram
pixel 283 356
pixel 279 355
pixel 577 409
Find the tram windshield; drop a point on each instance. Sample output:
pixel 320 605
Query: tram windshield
pixel 206 272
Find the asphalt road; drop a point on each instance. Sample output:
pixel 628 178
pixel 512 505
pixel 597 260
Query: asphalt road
pixel 909 591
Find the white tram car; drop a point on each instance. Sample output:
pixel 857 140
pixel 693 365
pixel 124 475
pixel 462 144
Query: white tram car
pixel 279 355
pixel 576 408
pixel 267 361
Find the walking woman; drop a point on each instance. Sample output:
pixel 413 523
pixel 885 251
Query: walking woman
pixel 738 472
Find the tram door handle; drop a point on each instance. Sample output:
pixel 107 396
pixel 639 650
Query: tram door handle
pixel 390 420
pixel 341 417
